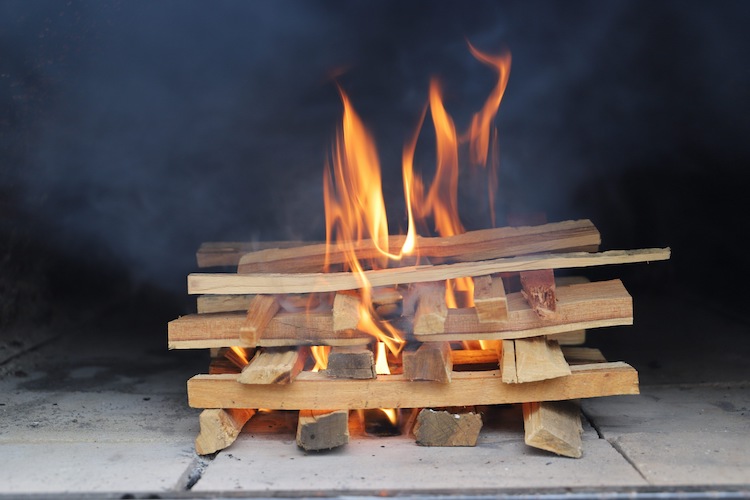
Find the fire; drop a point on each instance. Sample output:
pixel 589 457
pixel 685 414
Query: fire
pixel 355 208
pixel 320 355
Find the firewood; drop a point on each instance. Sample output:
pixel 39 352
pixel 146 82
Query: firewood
pixel 484 357
pixel 346 310
pixel 228 253
pixel 470 246
pixel 260 312
pixel 537 359
pixel 431 310
pixel 222 365
pixel 430 361
pixel 538 288
pixel 576 337
pixel 222 303
pixel 322 429
pixel 589 305
pixel 554 426
pixel 267 283
pixel 507 356
pixel 351 362
pixel 582 355
pixel 220 428
pixel 468 357
pixel 316 391
pixel 445 428
pixel 490 300
pixel 274 366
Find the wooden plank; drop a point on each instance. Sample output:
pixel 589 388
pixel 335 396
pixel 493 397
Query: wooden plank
pixel 322 429
pixel 273 283
pixel 261 311
pixel 588 305
pixel 220 428
pixel 576 337
pixel 490 300
pixel 222 303
pixel 351 362
pixel 554 426
pixel 228 253
pixel 470 246
pixel 313 390
pixel 583 355
pixel 274 366
pixel 346 310
pixel 539 359
pixel 430 361
pixel 446 428
pixel 538 288
pixel 573 355
pixel 432 310
pixel 507 355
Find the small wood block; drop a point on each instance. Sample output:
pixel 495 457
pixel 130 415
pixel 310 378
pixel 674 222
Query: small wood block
pixel 223 303
pixel 490 300
pixel 431 361
pixel 274 366
pixel 322 429
pixel 351 362
pixel 507 356
pixel 260 312
pixel 219 428
pixel 539 359
pixel 538 288
pixel 444 428
pixel 432 311
pixel 553 426
pixel 583 355
pixel 576 337
pixel 346 311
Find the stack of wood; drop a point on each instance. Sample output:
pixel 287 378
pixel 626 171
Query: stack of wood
pixel 512 346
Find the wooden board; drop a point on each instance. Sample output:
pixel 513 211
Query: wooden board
pixel 273 283
pixel 315 391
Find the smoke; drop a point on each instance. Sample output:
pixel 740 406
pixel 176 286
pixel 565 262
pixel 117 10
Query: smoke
pixel 141 129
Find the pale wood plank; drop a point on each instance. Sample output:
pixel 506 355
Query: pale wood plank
pixel 432 310
pixel 313 390
pixel 507 355
pixel 346 310
pixel 430 361
pixel 261 311
pixel 539 359
pixel 272 283
pixel 228 253
pixel 274 366
pixel 490 300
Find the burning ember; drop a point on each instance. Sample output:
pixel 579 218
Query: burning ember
pixel 356 212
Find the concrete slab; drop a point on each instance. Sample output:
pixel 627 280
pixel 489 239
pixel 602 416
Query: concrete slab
pixel 689 435
pixel 70 467
pixel 265 458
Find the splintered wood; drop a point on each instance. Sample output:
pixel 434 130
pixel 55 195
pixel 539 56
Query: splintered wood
pixel 506 342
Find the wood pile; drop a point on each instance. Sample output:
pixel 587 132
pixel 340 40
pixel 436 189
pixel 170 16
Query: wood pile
pixel 263 318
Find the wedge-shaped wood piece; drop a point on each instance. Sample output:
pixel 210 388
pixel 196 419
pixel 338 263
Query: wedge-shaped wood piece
pixel 431 310
pixel 539 359
pixel 275 283
pixel 507 356
pixel 314 390
pixel 351 362
pixel 220 428
pixel 554 426
pixel 322 429
pixel 483 357
pixel 261 311
pixel 470 246
pixel 447 428
pixel 538 288
pixel 430 361
pixel 490 300
pixel 346 310
pixel 274 365
pixel 222 303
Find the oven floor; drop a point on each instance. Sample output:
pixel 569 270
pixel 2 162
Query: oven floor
pixel 99 409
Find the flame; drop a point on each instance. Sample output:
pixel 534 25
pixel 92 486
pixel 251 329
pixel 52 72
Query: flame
pixel 355 208
pixel 381 361
pixel 241 354
pixel 391 414
pixel 320 354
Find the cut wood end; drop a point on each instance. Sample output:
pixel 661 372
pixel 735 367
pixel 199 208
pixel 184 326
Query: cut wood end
pixel 554 426
pixel 220 428
pixel 322 429
pixel 443 428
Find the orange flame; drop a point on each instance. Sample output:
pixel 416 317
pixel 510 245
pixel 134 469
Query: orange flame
pixel 320 354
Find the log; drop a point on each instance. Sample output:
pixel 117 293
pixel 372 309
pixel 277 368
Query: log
pixel 445 428
pixel 274 366
pixel 490 300
pixel 430 361
pixel 431 310
pixel 538 359
pixel 313 390
pixel 588 305
pixel 346 310
pixel 554 426
pixel 470 246
pixel 220 428
pixel 538 288
pixel 356 362
pixel 322 429
pixel 261 311
pixel 275 283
